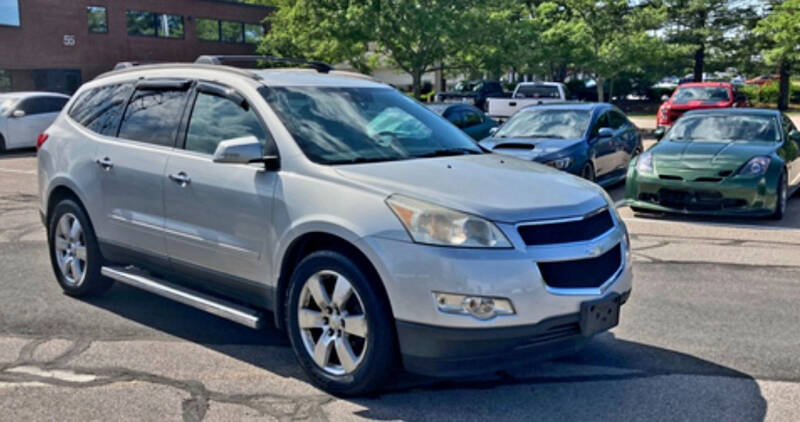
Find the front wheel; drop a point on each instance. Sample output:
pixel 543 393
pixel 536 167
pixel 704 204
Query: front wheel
pixel 782 198
pixel 587 172
pixel 339 325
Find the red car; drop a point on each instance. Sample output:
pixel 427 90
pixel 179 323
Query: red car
pixel 698 95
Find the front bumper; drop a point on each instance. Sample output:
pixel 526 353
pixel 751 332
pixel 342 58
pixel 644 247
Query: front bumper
pixel 448 352
pixel 435 342
pixel 732 196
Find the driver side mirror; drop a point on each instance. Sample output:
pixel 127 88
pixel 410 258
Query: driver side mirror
pixel 664 98
pixel 18 114
pixel 659 132
pixel 245 150
pixel 605 132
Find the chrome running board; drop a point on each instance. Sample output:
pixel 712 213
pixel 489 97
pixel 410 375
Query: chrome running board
pixel 219 307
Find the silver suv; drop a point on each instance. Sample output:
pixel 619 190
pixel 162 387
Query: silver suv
pixel 374 232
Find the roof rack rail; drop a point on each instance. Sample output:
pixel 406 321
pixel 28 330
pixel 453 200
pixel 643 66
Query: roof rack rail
pixel 320 67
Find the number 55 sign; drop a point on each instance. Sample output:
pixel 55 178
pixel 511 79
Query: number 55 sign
pixel 69 40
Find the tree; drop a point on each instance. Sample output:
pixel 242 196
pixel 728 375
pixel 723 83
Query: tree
pixel 704 25
pixel 616 33
pixel 782 28
pixel 413 35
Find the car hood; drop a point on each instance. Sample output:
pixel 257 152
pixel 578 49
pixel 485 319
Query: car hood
pixel 529 148
pixel 499 188
pixel 702 155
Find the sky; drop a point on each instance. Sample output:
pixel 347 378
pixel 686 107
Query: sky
pixel 9 12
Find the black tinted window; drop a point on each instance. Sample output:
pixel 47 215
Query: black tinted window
pixel 216 119
pixel 33 106
pixel 99 109
pixel 616 120
pixel 153 116
pixel 601 122
pixel 472 118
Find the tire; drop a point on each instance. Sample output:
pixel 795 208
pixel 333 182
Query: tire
pixel 587 172
pixel 2 145
pixel 74 253
pixel 782 198
pixel 375 353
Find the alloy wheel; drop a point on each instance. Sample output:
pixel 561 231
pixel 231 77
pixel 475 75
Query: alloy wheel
pixel 333 323
pixel 70 248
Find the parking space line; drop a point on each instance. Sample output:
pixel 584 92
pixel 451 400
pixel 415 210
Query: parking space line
pixel 713 223
pixel 17 171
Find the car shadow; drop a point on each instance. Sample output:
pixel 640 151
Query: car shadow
pixel 18 153
pixel 609 379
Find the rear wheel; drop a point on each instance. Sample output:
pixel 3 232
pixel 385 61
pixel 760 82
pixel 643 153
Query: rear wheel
pixel 2 144
pixel 74 252
pixel 782 198
pixel 587 172
pixel 339 325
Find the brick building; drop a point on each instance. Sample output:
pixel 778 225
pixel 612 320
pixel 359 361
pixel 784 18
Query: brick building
pixel 55 45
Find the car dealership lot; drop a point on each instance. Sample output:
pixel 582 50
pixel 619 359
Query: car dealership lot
pixel 710 333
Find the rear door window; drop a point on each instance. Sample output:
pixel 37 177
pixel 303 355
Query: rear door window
pixel 153 116
pixel 33 106
pixel 216 119
pixel 100 109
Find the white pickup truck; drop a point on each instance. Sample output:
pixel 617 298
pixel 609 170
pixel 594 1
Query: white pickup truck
pixel 525 94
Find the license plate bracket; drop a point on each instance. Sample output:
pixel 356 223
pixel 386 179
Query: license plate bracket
pixel 600 315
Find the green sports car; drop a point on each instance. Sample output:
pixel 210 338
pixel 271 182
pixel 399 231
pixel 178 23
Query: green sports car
pixel 741 162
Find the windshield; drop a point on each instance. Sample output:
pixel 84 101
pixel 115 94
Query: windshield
pixel 537 91
pixel 466 86
pixel 352 125
pixel 6 104
pixel 721 128
pixel 704 94
pixel 559 124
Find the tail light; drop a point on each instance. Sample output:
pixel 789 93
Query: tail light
pixel 41 140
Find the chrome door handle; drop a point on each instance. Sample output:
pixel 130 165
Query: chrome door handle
pixel 105 163
pixel 181 178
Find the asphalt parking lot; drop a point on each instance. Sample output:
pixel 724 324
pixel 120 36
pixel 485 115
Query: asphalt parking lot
pixel 711 333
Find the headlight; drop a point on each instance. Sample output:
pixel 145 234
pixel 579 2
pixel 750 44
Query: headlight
pixel 435 225
pixel 757 166
pixel 561 163
pixel 645 162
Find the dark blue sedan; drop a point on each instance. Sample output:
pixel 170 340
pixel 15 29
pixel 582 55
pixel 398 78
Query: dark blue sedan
pixel 594 141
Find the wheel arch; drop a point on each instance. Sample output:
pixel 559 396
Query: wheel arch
pixel 311 242
pixel 59 193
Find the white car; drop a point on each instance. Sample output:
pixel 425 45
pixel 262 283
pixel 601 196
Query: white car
pixel 525 94
pixel 24 115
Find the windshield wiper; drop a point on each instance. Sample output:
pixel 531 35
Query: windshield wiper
pixel 449 152
pixel 361 160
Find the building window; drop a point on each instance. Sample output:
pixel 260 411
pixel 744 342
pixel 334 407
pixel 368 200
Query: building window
pixel 5 80
pixel 98 19
pixel 207 29
pixel 253 33
pixel 148 24
pixel 232 32
pixel 9 12
pixel 229 31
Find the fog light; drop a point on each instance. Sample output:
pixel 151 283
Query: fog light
pixel 480 307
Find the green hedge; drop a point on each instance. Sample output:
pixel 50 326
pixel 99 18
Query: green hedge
pixel 768 93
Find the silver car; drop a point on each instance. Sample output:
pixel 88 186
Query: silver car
pixel 374 232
